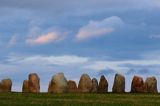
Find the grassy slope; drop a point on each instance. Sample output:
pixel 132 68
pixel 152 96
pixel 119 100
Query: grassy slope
pixel 110 99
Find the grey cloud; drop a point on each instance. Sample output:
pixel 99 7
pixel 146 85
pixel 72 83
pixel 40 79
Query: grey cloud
pixel 73 6
pixel 35 9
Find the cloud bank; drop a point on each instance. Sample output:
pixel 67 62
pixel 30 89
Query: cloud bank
pixel 87 63
pixel 49 60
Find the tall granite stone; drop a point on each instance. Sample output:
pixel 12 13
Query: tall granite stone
pixel 85 84
pixel 71 86
pixel 6 85
pixel 103 85
pixel 94 85
pixel 137 85
pixel 151 85
pixel 119 84
pixel 58 84
pixel 34 83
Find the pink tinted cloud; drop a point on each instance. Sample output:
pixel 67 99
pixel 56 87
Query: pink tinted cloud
pixel 82 35
pixel 44 39
pixel 99 28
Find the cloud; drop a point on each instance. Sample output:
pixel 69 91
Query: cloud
pixel 86 63
pixel 44 39
pixel 62 5
pixel 99 28
pixel 49 60
pixel 34 31
pixel 103 65
pixel 123 66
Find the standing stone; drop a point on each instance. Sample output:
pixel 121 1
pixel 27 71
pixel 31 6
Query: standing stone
pixel 137 85
pixel 103 85
pixel 94 85
pixel 151 85
pixel 33 83
pixel 71 86
pixel 119 84
pixel 6 85
pixel 25 87
pixel 58 84
pixel 85 84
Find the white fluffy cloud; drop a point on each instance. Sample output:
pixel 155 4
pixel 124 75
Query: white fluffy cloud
pixel 44 39
pixel 49 60
pixel 99 28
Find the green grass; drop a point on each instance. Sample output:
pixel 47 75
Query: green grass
pixel 109 99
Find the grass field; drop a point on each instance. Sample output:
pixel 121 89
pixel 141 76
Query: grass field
pixel 109 99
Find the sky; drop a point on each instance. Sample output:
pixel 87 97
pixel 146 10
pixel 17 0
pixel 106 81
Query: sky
pixel 97 37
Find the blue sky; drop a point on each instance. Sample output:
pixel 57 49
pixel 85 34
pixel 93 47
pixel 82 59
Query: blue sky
pixel 79 36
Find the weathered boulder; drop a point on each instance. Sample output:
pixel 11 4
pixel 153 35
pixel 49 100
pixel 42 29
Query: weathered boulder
pixel 25 87
pixel 119 84
pixel 71 86
pixel 103 85
pixel 6 85
pixel 58 84
pixel 33 83
pixel 137 85
pixel 85 84
pixel 94 85
pixel 151 85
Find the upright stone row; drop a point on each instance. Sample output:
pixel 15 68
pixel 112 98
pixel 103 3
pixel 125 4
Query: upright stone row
pixel 139 86
pixel 59 84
